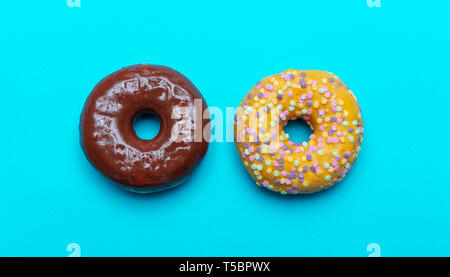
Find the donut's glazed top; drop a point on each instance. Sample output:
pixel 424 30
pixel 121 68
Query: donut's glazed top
pixel 111 144
pixel 326 104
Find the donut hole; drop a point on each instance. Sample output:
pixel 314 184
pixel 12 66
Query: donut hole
pixel 146 125
pixel 298 130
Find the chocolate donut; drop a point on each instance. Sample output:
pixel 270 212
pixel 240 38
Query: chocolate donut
pixel 111 144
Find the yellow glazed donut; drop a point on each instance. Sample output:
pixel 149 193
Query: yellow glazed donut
pixel 330 109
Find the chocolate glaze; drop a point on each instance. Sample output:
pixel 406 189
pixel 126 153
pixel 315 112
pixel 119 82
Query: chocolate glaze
pixel 111 144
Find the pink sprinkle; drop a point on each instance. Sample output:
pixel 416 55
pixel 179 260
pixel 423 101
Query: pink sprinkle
pixel 321 112
pixel 339 120
pixel 283 173
pixel 293 170
pixel 339 134
pixel 333 109
pixel 288 182
pixel 334 128
pixel 315 164
pixel 314 82
pixel 251 149
pixel 290 93
pixel 334 103
pixel 298 149
pixel 266 95
pixel 309 95
pixel 251 158
pixel 320 145
pixel 327 94
pixel 270 87
pixel 311 136
pixel 335 140
pixel 319 140
pixel 321 128
pixel 275 163
pixel 329 140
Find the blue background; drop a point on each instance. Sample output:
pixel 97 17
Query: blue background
pixel 395 58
